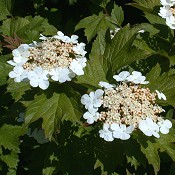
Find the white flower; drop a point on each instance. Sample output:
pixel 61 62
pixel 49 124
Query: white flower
pixel 60 35
pixel 60 74
pixel 149 128
pixel 20 55
pixel 161 95
pixel 18 74
pixel 105 133
pixel 76 67
pixel 121 132
pixel 42 37
pixel 167 2
pixel 170 21
pixel 137 78
pixel 91 116
pixel 106 85
pixel 165 125
pixel 82 61
pixel 38 77
pixel 122 76
pixel 79 49
pixel 64 38
pixel 165 11
pixel 73 39
pixel 93 100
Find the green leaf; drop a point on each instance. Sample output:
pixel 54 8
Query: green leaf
pixel 17 90
pixel 48 171
pixel 99 164
pixel 117 15
pixel 10 159
pixel 93 24
pixel 9 136
pixel 53 111
pixel 145 5
pixel 104 3
pixel 154 19
pixel 150 149
pixel 27 28
pixel 94 71
pixel 5 8
pixel 120 52
pixel 11 25
pixel 4 71
pixel 154 73
pixel 164 83
pixel 71 2
pixel 166 143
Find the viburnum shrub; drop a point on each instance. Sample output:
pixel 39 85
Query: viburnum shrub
pixel 87 87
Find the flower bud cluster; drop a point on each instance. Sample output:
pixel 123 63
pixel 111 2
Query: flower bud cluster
pixel 167 11
pixel 59 58
pixel 125 107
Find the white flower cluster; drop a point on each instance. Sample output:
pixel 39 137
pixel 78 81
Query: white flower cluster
pixel 125 107
pixel 59 58
pixel 168 12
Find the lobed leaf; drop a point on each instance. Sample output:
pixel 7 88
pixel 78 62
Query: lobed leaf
pixel 5 8
pixel 93 24
pixel 53 111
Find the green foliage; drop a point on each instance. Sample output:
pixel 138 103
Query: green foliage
pixel 93 24
pixel 94 70
pixel 5 8
pixel 103 21
pixel 53 110
pixel 4 71
pixel 28 28
pixel 9 136
pixel 74 147
pixel 117 15
pixel 146 5
pixel 120 51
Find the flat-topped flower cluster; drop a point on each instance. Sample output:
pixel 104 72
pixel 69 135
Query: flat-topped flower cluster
pixel 59 58
pixel 168 12
pixel 125 107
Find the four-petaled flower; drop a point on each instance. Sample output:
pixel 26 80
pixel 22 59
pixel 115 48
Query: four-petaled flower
pixel 106 133
pixel 91 116
pixel 18 74
pixel 38 77
pixel 122 76
pixel 165 125
pixel 93 100
pixel 137 78
pixel 60 74
pixel 121 131
pixel 149 128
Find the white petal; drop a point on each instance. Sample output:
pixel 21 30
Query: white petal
pixel 33 82
pixel 129 129
pixel 164 130
pixel 124 136
pixel 167 123
pixel 12 74
pixel 156 134
pixel 44 84
pixel 136 74
pixel 99 93
pixel 115 127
